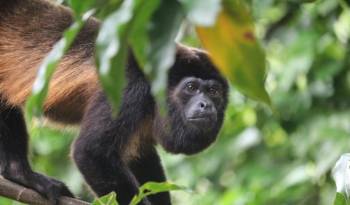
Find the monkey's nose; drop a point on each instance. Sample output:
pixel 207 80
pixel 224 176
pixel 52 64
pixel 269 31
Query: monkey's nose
pixel 205 106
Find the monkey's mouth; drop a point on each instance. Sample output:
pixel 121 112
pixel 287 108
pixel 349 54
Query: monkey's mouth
pixel 201 115
pixel 203 121
pixel 197 119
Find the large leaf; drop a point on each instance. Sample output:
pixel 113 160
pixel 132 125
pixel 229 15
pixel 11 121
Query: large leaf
pixel 164 27
pixel 111 51
pixel 150 188
pixel 35 102
pixel 235 50
pixel 109 199
pixel 139 38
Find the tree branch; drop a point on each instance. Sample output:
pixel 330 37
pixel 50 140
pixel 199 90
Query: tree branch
pixel 19 193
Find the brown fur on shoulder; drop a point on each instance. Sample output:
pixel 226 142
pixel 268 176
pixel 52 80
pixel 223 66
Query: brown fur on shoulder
pixel 27 33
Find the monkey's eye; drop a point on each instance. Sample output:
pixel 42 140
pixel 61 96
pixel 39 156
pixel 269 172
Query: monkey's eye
pixel 191 87
pixel 213 91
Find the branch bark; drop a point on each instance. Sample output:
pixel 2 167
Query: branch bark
pixel 22 194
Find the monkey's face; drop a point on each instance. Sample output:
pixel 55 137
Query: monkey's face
pixel 199 101
pixel 196 108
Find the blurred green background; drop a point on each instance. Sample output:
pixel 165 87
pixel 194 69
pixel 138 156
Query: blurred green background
pixel 260 157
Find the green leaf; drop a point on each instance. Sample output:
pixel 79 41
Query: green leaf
pixel 235 50
pixel 202 13
pixel 139 39
pixel 109 199
pixel 35 102
pixel 150 188
pixel 340 199
pixel 164 27
pixel 79 7
pixel 106 7
pixel 155 187
pixel 111 51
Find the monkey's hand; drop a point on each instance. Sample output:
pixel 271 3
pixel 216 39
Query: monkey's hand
pixel 49 188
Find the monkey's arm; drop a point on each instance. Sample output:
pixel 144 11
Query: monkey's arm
pixel 148 168
pixel 99 152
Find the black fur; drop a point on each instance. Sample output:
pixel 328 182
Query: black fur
pixel 14 164
pixel 149 168
pixel 98 152
pixel 179 137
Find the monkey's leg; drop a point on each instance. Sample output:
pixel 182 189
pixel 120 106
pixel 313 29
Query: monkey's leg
pixel 98 152
pixel 149 168
pixel 14 164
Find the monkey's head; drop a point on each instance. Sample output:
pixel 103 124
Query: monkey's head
pixel 197 99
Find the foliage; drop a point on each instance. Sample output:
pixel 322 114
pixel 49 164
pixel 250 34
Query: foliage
pixel 149 28
pixel 283 159
pixel 150 188
pixel 340 199
pixel 109 199
pixel 259 158
pixel 145 190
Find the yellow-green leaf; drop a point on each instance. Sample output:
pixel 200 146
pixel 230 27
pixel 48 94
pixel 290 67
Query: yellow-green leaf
pixel 340 199
pixel 109 199
pixel 235 50
pixel 150 188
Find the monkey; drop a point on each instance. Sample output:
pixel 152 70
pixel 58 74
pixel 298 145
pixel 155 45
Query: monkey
pixel 112 153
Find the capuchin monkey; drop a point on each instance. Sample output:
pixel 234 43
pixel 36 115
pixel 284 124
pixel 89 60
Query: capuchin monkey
pixel 112 153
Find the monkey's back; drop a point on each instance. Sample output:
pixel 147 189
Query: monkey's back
pixel 28 31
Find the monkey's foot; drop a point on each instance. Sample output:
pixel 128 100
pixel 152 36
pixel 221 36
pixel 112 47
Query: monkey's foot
pixel 49 188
